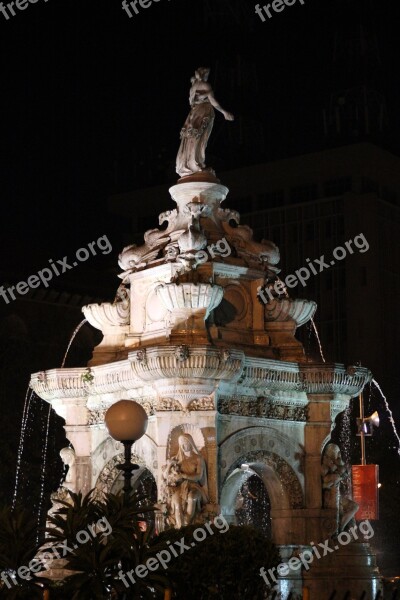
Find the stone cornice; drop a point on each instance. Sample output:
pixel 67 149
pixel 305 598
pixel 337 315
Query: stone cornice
pixel 197 366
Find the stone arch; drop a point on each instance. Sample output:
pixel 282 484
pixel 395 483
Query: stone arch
pixel 239 446
pixel 193 430
pixel 280 480
pixel 110 478
pixel 324 443
pixel 109 450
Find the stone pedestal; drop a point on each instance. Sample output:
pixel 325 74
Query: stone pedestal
pixel 350 569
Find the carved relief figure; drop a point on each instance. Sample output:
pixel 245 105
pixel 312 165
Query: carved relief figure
pixel 198 125
pixel 68 457
pixel 334 473
pixel 185 479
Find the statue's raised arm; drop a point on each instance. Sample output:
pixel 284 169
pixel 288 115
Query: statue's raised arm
pixel 198 125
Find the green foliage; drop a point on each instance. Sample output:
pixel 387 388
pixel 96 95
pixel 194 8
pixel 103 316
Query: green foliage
pixel 117 546
pixel 224 566
pixel 18 546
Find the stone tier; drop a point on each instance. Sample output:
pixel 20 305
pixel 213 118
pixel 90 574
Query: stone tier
pixel 160 366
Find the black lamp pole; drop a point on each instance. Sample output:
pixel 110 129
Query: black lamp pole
pixel 127 467
pixel 126 421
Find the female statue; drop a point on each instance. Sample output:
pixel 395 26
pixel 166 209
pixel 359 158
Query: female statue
pixel 186 479
pixel 334 472
pixel 198 125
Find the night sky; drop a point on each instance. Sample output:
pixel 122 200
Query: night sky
pixel 92 103
pixel 91 99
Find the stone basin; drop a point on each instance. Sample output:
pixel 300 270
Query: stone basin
pixel 287 309
pixel 192 296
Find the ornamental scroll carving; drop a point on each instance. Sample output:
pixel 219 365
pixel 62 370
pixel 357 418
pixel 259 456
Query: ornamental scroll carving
pixel 261 407
pixel 96 415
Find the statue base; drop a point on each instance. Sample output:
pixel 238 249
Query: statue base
pixel 207 175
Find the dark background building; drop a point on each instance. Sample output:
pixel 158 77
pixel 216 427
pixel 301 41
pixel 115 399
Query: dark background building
pixel 92 104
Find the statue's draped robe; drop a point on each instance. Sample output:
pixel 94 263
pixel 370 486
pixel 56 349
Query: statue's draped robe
pixel 194 137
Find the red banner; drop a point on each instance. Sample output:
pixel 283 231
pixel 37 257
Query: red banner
pixel 365 491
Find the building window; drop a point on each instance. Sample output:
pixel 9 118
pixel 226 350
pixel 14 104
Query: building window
pixel 304 193
pixel 336 187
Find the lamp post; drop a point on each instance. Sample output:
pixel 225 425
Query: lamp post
pixel 126 422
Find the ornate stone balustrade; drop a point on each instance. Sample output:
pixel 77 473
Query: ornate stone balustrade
pixel 198 363
pixel 333 378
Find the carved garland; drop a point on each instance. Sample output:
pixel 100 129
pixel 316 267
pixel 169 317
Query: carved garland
pixel 96 415
pixel 261 407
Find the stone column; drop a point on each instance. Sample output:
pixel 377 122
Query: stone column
pixel 75 414
pixel 317 429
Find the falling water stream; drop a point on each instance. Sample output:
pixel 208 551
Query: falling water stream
pixel 344 435
pixel 43 473
pixel 28 397
pixel 318 340
pixel 391 419
pixel 71 340
pixel 25 416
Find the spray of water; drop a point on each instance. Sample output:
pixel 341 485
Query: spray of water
pixel 344 435
pixel 391 419
pixel 43 473
pixel 28 397
pixel 71 340
pixel 318 340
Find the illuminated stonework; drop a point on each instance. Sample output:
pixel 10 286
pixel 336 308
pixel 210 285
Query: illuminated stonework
pixel 189 339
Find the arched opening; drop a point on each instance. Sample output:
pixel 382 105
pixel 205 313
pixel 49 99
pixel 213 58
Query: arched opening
pixel 253 505
pixel 248 494
pixel 144 485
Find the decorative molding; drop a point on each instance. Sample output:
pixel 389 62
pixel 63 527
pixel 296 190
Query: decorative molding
pixel 262 407
pixel 206 403
pixel 206 365
pixel 141 356
pixel 181 353
pixel 168 404
pixel 96 414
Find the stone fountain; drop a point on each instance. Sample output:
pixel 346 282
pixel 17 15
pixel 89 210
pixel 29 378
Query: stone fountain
pixel 221 375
